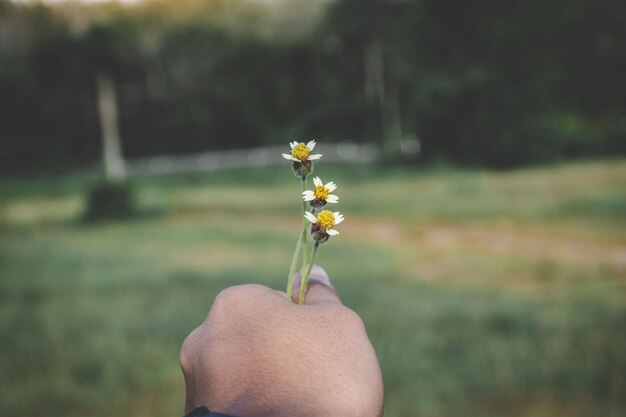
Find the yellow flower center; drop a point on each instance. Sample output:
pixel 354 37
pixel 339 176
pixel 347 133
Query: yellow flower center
pixel 325 219
pixel 321 192
pixel 300 151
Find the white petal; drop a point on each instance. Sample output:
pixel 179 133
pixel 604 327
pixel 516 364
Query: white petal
pixel 332 198
pixel 338 217
pixel 311 145
pixel 332 232
pixel 308 195
pixel 289 157
pixel 317 181
pixel 310 217
pixel 314 157
pixel 293 144
pixel 331 186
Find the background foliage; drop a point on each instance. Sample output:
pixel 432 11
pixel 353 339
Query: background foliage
pixel 499 83
pixel 485 293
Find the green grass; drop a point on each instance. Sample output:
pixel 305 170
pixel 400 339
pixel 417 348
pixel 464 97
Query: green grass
pixel 484 293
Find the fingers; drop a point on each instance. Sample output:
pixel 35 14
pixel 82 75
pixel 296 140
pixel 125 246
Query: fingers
pixel 319 289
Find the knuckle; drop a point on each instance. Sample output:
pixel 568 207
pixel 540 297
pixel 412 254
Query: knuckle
pixel 225 301
pixel 248 291
pixel 189 349
pixel 225 297
pixel 233 302
pixel 236 294
pixel 185 354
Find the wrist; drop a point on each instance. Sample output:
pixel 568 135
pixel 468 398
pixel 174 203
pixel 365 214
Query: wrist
pixel 232 404
pixel 202 411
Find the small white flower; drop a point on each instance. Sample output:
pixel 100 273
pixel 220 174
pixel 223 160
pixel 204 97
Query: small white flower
pixel 325 220
pixel 301 152
pixel 321 195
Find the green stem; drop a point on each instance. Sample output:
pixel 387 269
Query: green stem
pixel 305 240
pixel 305 278
pixel 301 247
pixel 292 268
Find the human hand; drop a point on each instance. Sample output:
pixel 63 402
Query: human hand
pixel 257 354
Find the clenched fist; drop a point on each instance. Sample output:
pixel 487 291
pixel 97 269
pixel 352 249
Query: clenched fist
pixel 258 354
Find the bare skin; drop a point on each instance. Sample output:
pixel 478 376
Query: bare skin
pixel 257 354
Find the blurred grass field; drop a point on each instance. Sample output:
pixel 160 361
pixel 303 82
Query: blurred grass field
pixel 484 293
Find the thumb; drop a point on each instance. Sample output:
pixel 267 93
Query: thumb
pixel 319 289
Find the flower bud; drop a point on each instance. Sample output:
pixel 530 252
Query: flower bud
pixel 318 234
pixel 302 169
pixel 317 204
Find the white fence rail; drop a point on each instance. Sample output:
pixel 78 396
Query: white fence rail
pixel 346 152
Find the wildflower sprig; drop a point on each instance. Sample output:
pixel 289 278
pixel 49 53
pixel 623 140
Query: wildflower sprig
pixel 318 197
pixel 322 221
pixel 301 157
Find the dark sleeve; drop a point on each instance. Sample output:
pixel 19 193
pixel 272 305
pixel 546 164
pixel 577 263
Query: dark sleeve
pixel 202 411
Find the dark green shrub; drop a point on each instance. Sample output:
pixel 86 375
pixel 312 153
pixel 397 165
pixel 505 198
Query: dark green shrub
pixel 109 201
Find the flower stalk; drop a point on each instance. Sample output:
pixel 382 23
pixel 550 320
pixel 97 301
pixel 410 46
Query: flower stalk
pixel 302 247
pixel 305 278
pixel 292 268
pixel 305 241
pixel 322 220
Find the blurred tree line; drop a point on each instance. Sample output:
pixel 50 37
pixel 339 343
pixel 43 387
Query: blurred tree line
pixel 490 82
